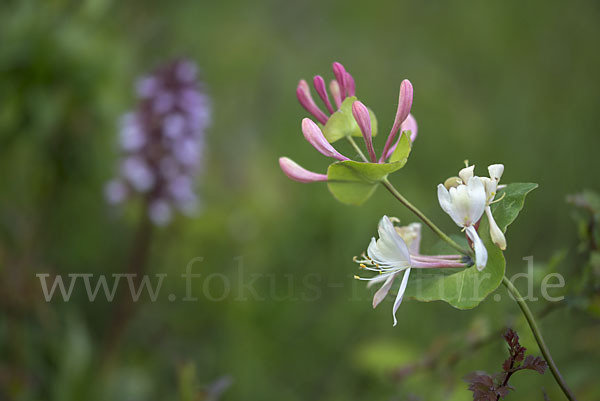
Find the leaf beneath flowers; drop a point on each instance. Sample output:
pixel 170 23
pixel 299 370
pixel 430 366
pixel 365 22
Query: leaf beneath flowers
pixel 507 210
pixel 342 122
pixel 353 182
pixel 403 149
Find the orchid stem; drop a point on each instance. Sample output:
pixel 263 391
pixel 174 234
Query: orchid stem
pixel 388 185
pixel 538 337
pixel 355 146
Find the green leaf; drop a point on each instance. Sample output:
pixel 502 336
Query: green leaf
pixel 403 149
pixel 461 288
pixel 507 210
pixel 342 123
pixel 353 182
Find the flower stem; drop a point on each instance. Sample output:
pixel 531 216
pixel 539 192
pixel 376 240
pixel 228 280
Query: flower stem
pixel 355 146
pixel 538 338
pixel 124 307
pixel 388 185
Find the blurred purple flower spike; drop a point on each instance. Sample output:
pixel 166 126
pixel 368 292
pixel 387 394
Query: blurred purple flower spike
pixel 162 142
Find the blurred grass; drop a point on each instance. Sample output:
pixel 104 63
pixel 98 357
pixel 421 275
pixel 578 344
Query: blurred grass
pixel 507 82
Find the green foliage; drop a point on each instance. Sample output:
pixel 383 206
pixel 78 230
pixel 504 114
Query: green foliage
pixel 507 210
pixel 403 149
pixel 466 288
pixel 461 288
pixel 342 123
pixel 353 182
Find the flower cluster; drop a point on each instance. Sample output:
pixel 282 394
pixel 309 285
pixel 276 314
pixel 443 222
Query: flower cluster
pixel 465 198
pixel 162 142
pixel 342 88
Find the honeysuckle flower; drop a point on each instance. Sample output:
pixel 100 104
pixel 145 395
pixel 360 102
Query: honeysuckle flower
pixel 162 141
pixel 465 204
pixel 491 186
pixel 388 256
pixel 394 253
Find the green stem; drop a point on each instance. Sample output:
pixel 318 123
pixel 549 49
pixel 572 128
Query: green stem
pixel 410 206
pixel 355 146
pixel 538 338
pixel 388 185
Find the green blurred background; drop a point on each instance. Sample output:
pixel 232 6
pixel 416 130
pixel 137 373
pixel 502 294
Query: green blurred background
pixel 513 82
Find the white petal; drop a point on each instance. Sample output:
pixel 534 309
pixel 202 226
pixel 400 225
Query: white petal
pixel 383 291
pixel 495 232
pixel 390 248
pixel 490 188
pixel 477 199
pixel 496 171
pixel 401 290
pixel 444 198
pixel 481 255
pixel 379 278
pixel 466 173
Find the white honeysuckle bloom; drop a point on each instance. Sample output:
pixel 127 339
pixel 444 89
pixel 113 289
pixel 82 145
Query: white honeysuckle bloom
pixel 491 186
pixel 465 204
pixel 389 256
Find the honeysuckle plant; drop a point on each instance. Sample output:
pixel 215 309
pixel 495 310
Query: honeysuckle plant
pixel 462 280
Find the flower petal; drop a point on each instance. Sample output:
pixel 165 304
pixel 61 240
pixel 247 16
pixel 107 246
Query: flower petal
pixel 495 232
pixel 383 291
pixel 466 173
pixel 496 171
pixel 400 295
pixel 390 249
pixel 477 197
pixel 481 255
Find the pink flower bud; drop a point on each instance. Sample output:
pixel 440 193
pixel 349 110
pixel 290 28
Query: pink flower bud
pixel 334 88
pixel 340 75
pixel 319 84
pixel 298 173
pixel 350 86
pixel 405 99
pixel 306 100
pixel 362 117
pixel 313 134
